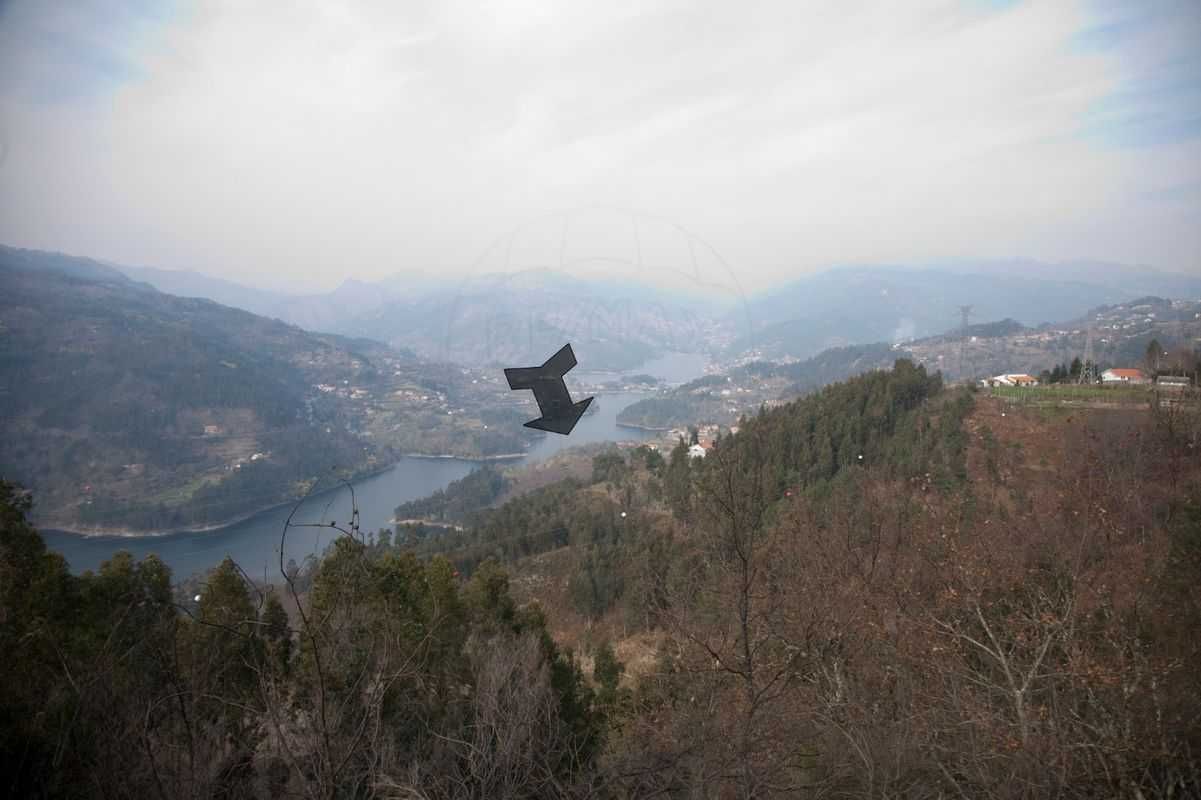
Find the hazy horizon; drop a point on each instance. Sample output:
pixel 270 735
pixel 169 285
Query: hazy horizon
pixel 716 291
pixel 295 147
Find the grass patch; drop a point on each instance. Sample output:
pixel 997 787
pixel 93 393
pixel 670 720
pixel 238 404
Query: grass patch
pixel 183 494
pixel 1060 393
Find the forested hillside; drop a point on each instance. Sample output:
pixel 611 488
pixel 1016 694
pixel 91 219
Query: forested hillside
pixel 116 687
pixel 723 398
pixel 886 588
pixel 452 504
pixel 127 409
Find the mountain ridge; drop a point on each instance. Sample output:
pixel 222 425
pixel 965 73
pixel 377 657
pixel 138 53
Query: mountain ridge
pixel 127 408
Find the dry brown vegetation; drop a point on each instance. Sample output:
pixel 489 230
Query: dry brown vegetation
pixel 1031 633
pixel 885 590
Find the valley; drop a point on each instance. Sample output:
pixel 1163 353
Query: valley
pixel 254 541
pixel 130 410
pixel 876 473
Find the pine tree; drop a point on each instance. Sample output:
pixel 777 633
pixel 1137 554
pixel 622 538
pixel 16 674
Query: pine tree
pixel 607 672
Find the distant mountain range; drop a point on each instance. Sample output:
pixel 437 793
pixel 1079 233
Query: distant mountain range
pixel 505 319
pixel 858 305
pixel 494 319
pixel 327 311
pixel 1132 281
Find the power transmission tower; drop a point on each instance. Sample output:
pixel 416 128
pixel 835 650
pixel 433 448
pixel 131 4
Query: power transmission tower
pixel 1088 369
pixel 964 315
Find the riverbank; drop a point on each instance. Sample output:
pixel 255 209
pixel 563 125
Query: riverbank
pixel 99 531
pixel 646 428
pixel 429 523
pixel 254 543
pixel 473 459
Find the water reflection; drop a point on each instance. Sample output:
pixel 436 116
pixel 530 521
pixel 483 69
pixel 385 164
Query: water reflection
pixel 255 542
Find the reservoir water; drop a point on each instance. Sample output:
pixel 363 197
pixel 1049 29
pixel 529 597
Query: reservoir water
pixel 671 368
pixel 254 543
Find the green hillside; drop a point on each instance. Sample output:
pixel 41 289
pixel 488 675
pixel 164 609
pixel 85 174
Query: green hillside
pixel 124 408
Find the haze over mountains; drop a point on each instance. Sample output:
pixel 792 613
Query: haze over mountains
pixel 502 318
pixel 857 305
pixel 492 319
pixel 319 312
pixel 111 381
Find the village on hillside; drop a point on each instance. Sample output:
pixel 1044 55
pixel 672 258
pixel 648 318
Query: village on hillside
pixel 1121 335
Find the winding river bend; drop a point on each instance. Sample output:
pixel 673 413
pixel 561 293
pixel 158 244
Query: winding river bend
pixel 254 543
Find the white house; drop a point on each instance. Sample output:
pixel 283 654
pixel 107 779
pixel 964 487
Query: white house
pixel 1121 375
pixel 1177 382
pixel 1012 379
pixel 696 451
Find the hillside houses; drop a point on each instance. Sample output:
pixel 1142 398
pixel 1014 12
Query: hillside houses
pixel 1120 335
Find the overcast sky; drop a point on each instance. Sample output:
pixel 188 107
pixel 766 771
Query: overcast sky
pixel 300 143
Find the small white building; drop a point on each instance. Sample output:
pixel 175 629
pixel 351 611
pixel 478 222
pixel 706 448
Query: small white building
pixel 696 451
pixel 1121 375
pixel 1174 382
pixel 1011 379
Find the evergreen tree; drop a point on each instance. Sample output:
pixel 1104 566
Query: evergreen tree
pixel 277 634
pixel 607 672
pixel 1153 356
pixel 677 480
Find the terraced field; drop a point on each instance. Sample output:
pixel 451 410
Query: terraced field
pixel 1076 394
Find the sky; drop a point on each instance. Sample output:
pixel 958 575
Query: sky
pixel 297 144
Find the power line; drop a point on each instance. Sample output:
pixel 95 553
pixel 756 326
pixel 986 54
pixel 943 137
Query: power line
pixel 1088 369
pixel 964 319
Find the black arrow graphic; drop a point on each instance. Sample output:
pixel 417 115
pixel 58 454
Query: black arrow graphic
pixel 559 414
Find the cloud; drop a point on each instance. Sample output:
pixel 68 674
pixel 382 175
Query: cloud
pixel 59 52
pixel 301 143
pixel 1158 96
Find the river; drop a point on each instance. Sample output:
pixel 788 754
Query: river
pixel 671 368
pixel 254 543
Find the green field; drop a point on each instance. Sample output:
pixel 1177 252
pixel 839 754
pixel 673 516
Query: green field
pixel 1061 393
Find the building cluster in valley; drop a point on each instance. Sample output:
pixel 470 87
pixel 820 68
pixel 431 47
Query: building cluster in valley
pixel 706 438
